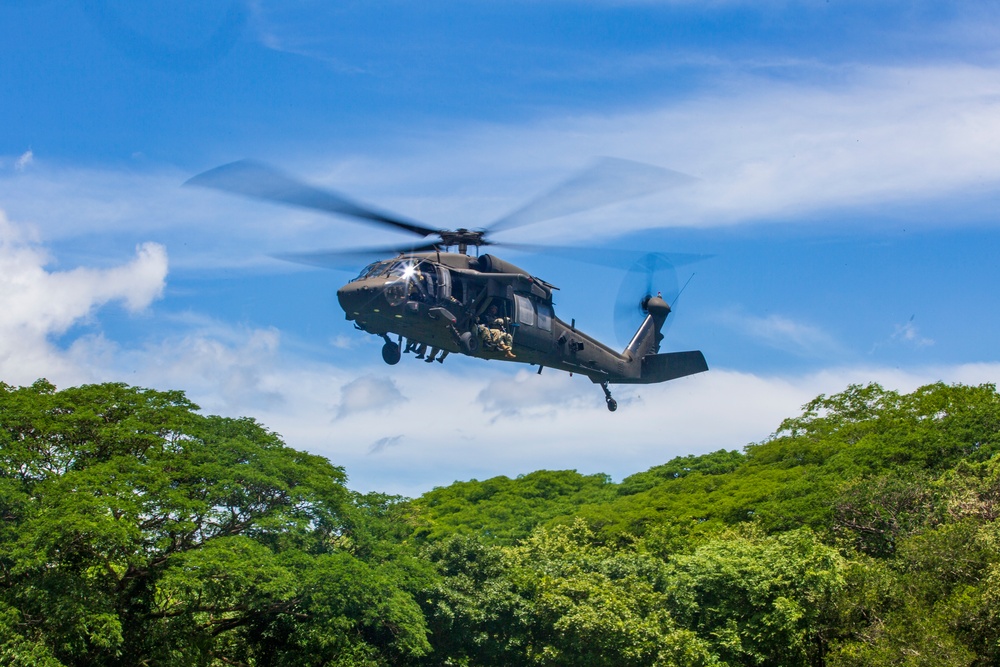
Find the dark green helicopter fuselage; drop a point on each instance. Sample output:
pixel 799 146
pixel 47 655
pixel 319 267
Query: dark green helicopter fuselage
pixel 439 299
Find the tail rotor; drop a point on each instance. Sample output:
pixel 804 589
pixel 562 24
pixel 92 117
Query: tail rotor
pixel 654 274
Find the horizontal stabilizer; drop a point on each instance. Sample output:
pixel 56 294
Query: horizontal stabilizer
pixel 669 366
pixel 673 365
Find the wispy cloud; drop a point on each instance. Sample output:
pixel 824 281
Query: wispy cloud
pixel 764 149
pixel 25 160
pixel 528 395
pixel 369 394
pixel 385 443
pixel 907 335
pixel 782 332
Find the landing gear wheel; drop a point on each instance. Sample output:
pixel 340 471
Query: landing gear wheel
pixel 469 342
pixel 391 353
pixel 612 403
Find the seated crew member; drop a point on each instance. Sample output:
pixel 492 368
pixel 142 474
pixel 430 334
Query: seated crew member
pixel 493 330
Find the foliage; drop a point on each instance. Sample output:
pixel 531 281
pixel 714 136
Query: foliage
pixel 716 463
pixel 559 598
pixel 134 530
pixel 760 599
pixel 504 510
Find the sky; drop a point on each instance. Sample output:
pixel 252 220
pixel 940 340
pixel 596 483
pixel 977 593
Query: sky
pixel 846 158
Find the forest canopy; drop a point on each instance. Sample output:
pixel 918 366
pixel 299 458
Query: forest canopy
pixel 135 530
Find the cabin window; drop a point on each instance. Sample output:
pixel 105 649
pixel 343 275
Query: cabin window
pixel 525 310
pixel 544 311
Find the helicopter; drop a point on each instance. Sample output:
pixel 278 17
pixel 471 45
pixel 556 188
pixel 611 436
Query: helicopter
pixel 480 305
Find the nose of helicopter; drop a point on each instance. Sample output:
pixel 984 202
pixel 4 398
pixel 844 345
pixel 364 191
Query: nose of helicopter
pixel 353 297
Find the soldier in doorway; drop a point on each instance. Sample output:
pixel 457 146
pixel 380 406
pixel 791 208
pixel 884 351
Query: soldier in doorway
pixel 493 330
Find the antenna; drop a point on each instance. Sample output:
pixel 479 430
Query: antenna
pixel 682 291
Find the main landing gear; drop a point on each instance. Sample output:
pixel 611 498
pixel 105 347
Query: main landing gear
pixel 612 403
pixel 390 351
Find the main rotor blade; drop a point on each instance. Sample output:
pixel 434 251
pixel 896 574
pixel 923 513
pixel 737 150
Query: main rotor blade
pixel 615 258
pixel 608 181
pixel 261 181
pixel 347 260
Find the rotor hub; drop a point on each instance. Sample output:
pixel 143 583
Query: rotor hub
pixel 463 238
pixel 656 306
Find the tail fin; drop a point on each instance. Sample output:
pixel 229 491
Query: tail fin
pixel 647 339
pixel 645 346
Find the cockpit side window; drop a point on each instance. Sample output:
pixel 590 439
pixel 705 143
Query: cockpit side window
pixel 403 270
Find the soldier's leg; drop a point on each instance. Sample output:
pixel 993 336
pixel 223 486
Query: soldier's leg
pixel 508 345
pixel 484 335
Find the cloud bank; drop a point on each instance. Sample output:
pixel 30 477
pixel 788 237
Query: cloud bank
pixel 402 429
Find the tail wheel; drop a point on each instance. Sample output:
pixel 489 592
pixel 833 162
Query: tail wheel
pixel 612 403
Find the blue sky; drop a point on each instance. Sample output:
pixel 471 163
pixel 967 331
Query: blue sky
pixel 848 164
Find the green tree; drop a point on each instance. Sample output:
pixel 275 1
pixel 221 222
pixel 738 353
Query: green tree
pixel 504 510
pixel 135 530
pixel 559 598
pixel 760 599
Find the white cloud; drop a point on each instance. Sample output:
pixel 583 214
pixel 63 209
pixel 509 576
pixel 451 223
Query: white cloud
pixel 763 150
pixel 524 394
pixel 910 335
pixel 905 335
pixel 231 365
pixel 382 444
pixel 38 304
pixel 782 332
pixel 24 161
pixel 460 425
pixel 369 394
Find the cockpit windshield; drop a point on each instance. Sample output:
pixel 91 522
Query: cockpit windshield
pixel 371 270
pixel 421 276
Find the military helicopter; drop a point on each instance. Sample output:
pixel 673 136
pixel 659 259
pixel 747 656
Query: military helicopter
pixel 480 305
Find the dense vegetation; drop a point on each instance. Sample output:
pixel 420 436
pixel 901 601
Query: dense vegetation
pixel 134 530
